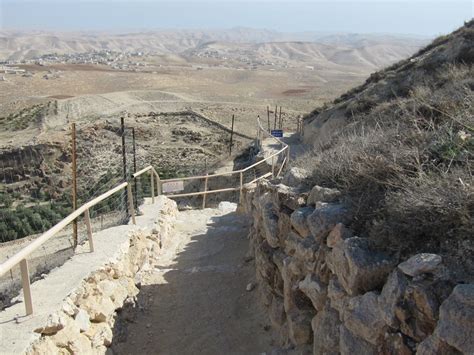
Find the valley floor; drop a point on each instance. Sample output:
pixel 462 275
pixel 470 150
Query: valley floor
pixel 196 301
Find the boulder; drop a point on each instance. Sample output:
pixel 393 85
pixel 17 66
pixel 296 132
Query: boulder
pixel 295 177
pixel 322 194
pixel 433 345
pixel 301 249
pixel 298 221
pixel 277 312
pixel 80 345
pixel 54 323
pixel 337 296
pixel 99 334
pixel 350 344
pixel 338 234
pixel 420 264
pixel 270 225
pixel 69 307
pixel 363 318
pixel 325 217
pixel 390 297
pixel 357 267
pixel 456 319
pixel 82 320
pixel 418 311
pixel 395 343
pixel 316 291
pixel 325 327
pixel 299 327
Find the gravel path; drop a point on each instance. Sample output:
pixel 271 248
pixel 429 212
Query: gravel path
pixel 196 301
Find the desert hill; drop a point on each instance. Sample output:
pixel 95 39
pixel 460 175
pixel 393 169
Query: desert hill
pixel 339 49
pixel 401 148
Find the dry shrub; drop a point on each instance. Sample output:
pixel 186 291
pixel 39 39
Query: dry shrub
pixel 406 166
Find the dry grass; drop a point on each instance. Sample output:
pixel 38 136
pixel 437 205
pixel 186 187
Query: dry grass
pixel 406 166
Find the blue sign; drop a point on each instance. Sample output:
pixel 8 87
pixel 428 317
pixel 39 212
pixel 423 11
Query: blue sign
pixel 277 133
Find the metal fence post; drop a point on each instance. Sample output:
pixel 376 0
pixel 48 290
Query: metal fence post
pixel 74 183
pixel 152 181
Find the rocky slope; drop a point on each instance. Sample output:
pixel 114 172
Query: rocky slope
pixel 400 148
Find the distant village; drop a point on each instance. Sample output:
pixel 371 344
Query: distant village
pixel 116 60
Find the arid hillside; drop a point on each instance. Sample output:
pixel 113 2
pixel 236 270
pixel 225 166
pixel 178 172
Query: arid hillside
pixel 401 148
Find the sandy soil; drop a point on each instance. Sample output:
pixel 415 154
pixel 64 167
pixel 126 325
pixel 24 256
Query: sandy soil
pixel 196 301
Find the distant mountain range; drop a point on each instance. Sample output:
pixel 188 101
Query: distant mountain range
pixel 367 50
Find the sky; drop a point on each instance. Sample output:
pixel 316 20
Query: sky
pixel 415 17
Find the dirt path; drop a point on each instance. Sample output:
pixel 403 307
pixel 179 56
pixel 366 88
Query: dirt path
pixel 196 301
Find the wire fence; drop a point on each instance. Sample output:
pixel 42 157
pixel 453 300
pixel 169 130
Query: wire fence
pixel 36 192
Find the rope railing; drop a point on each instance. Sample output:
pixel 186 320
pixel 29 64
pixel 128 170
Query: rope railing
pixel 21 257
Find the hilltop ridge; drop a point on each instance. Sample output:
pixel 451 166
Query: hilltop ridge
pixel 400 146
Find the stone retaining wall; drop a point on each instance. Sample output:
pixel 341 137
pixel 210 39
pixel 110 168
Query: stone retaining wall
pixel 86 319
pixel 328 291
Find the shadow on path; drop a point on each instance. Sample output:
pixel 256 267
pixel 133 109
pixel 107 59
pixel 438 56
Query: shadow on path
pixel 198 303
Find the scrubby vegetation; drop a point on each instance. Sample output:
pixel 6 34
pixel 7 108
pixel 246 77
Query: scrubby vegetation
pixel 27 117
pixel 405 159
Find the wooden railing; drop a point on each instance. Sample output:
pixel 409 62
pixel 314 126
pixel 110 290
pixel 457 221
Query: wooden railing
pixel 21 257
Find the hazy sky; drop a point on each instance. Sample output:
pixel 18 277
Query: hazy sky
pixel 427 18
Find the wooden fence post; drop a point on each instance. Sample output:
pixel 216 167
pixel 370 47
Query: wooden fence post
pixel 87 218
pixel 130 203
pixel 205 195
pixel 25 280
pixel 152 181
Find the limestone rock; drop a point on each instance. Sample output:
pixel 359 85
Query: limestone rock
pixel 337 295
pixel 295 177
pixel 299 327
pixel 395 343
pixel 456 319
pixel 298 221
pixel 391 295
pixel 303 250
pixel 54 323
pixel 363 318
pixel 358 269
pixel 277 312
pixel 316 291
pixel 325 217
pixel 99 334
pixel 433 345
pixel 69 307
pixel 420 264
pixel 82 320
pixel 45 346
pixel 418 311
pixel 288 197
pixel 338 234
pixel 270 225
pixel 99 309
pixel 80 345
pixel 322 194
pixel 325 327
pixel 350 344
